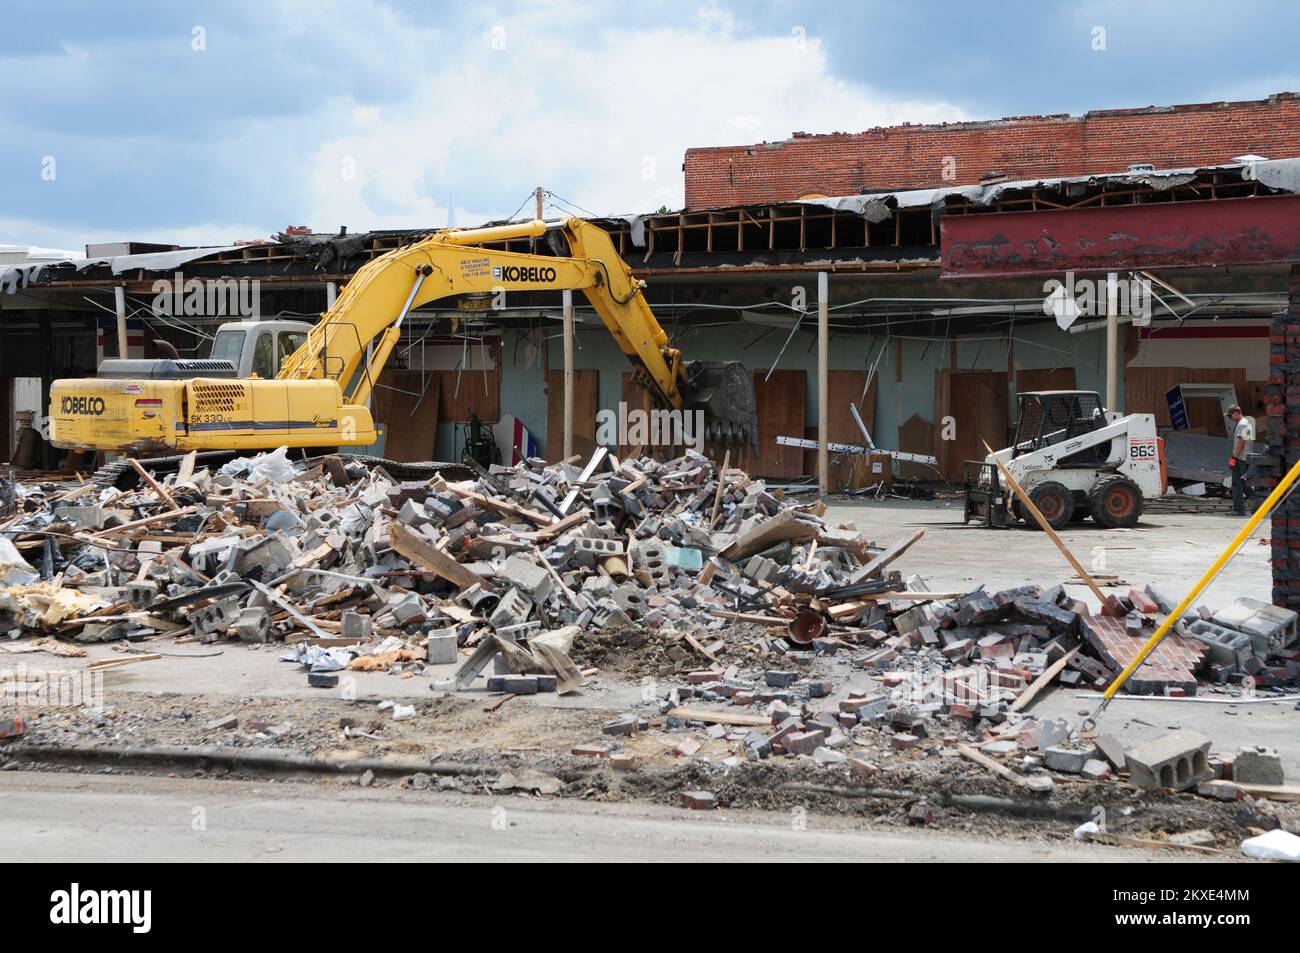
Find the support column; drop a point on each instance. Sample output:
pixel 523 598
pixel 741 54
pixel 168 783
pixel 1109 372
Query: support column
pixel 568 374
pixel 1112 343
pixel 119 305
pixel 823 384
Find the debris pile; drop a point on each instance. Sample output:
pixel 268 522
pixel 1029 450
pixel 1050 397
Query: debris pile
pixel 954 678
pixel 512 567
pixel 762 633
pixel 358 569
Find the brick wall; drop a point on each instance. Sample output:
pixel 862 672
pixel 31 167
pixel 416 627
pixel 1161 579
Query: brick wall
pixel 1023 147
pixel 1282 400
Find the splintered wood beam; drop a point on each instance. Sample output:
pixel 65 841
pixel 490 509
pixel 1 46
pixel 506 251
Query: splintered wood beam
pixel 423 552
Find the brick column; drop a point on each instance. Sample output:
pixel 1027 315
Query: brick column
pixel 1282 399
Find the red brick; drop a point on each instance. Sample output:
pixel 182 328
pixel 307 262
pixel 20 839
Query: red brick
pixel 1022 147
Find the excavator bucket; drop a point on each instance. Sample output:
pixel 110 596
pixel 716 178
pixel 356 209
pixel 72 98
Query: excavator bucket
pixel 724 390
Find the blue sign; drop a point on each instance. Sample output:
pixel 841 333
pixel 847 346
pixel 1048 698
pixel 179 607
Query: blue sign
pixel 1177 408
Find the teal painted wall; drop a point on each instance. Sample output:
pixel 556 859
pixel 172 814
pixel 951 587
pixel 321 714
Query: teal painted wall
pixel 1037 346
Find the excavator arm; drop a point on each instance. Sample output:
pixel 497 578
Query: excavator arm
pixel 376 302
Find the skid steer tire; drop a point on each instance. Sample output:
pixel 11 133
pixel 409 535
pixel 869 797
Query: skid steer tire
pixel 1055 502
pixel 1115 502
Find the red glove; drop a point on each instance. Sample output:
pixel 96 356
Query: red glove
pixel 1232 462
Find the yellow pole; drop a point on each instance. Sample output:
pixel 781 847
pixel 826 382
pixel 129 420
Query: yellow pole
pixel 1265 508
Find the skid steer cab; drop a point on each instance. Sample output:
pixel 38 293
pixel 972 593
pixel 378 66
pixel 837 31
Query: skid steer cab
pixel 1074 459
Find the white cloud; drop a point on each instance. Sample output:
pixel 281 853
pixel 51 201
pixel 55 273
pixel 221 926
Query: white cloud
pixel 411 112
pixel 603 120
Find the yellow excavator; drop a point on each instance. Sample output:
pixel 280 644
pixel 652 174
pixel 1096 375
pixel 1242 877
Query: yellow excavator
pixel 315 396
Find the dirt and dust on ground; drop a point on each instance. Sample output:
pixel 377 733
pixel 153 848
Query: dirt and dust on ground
pixel 633 651
pixel 510 746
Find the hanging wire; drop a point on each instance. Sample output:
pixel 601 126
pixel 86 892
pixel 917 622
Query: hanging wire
pixel 573 205
pixel 511 216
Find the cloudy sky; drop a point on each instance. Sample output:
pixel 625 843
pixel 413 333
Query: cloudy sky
pixel 209 122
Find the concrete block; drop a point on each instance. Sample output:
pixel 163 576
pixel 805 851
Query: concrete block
pixel 413 514
pixel 761 569
pixel 1224 646
pixel 519 684
pixel 478 600
pixel 272 555
pixel 1110 749
pixel 82 517
pixel 1178 760
pixel 513 609
pixel 652 557
pixel 588 550
pixel 1096 770
pixel 522 573
pixel 408 610
pixel 1271 628
pixel 608 615
pixel 699 800
pixel 141 593
pixel 253 624
pixel 803 742
pixel 216 618
pixel 357 626
pixel 1069 757
pixel 631 600
pixel 442 648
pixel 1256 764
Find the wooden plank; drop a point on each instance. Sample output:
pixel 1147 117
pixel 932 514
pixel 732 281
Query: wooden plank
pixel 502 506
pixel 559 526
pixel 1042 681
pixel 147 521
pixel 884 559
pixel 422 552
pixel 1032 510
pixel 721 717
pixel 722 483
pixel 153 484
pixel 915 436
pixel 1273 792
pixel 479 392
pixel 186 469
pixel 586 404
pixel 984 761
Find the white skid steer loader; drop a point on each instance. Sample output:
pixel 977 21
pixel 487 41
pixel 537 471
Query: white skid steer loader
pixel 1074 459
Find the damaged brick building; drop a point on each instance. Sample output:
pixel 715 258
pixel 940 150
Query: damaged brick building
pixel 928 318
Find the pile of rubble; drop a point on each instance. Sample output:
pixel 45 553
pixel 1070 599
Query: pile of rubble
pixel 955 677
pixel 355 568
pixel 782 633
pixel 342 560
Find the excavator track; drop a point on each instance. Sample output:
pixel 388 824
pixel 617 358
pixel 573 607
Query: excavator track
pixel 122 476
